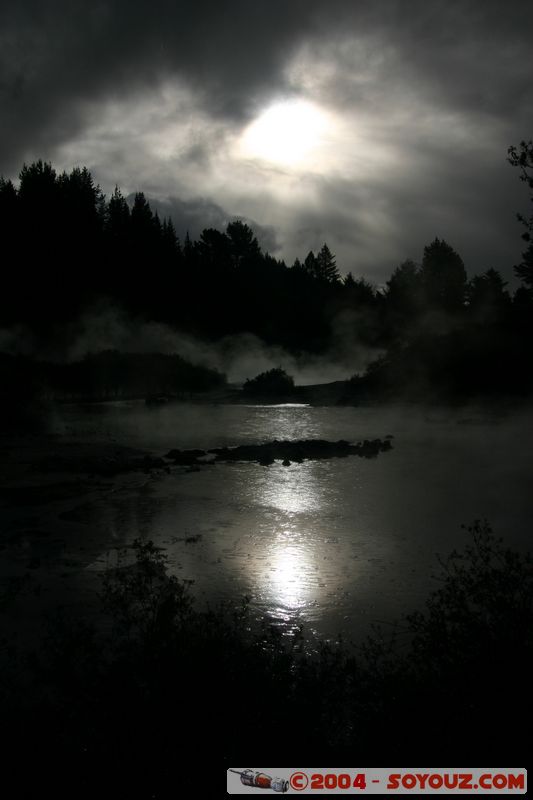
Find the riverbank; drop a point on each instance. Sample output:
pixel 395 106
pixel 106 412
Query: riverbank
pixel 116 701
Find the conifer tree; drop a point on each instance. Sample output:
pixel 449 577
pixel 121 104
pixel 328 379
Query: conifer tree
pixel 327 266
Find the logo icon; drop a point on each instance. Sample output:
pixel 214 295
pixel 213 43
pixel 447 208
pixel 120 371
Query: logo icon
pixel 260 780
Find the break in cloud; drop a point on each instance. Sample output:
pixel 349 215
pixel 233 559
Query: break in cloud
pixel 419 100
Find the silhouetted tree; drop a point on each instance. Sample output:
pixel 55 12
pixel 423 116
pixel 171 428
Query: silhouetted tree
pixel 12 283
pixel 297 266
pixel 8 202
pixel 39 206
pixel 82 199
pixel 215 249
pixel 142 218
pixel 404 288
pixel 404 300
pixel 487 298
pixel 522 157
pixel 273 382
pixel 117 217
pixel 359 291
pixel 310 265
pixel 38 185
pixel 188 250
pixel 326 266
pixel 348 280
pixel 524 270
pixel 171 244
pixel 59 256
pixel 245 248
pixel 443 276
pixel 9 212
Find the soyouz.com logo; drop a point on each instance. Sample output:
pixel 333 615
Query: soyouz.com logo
pixel 349 780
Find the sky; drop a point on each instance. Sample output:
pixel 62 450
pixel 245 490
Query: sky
pixel 373 126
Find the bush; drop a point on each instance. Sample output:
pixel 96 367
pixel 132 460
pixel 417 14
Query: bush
pixel 273 382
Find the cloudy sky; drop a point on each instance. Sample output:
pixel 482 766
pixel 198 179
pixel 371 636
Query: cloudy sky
pixel 374 126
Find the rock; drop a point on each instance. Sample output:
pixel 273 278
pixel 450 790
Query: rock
pixel 284 451
pixel 185 457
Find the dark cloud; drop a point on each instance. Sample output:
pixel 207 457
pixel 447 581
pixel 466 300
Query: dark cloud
pixel 56 56
pixel 373 227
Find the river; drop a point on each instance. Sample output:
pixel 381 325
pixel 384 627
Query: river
pixel 335 545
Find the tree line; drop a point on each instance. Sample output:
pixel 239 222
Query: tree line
pixel 65 246
pixel 29 387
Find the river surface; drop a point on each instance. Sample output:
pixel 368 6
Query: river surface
pixel 334 545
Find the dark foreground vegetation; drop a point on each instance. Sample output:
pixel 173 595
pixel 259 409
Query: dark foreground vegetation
pixel 168 685
pixel 444 334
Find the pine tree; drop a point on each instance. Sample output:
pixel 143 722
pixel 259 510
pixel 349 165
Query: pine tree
pixel 310 265
pixel 118 215
pixel 169 237
pixel 244 245
pixel 142 218
pixel 404 295
pixel 349 281
pixel 327 266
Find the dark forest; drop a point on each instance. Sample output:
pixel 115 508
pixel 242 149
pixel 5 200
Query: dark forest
pixel 443 335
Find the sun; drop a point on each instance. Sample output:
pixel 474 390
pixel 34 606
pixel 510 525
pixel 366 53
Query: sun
pixel 287 132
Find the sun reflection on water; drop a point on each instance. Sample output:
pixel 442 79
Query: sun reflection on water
pixel 266 423
pixel 289 580
pixel 291 497
pixel 294 490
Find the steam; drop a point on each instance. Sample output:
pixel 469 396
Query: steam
pixel 242 356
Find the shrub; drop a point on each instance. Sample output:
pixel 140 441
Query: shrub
pixel 273 382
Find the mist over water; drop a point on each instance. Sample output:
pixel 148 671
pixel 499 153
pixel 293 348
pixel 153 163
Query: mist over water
pixel 105 326
pixel 335 545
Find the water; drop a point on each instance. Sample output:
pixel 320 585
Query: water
pixel 334 545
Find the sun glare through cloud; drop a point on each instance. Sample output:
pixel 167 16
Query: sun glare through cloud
pixel 287 133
